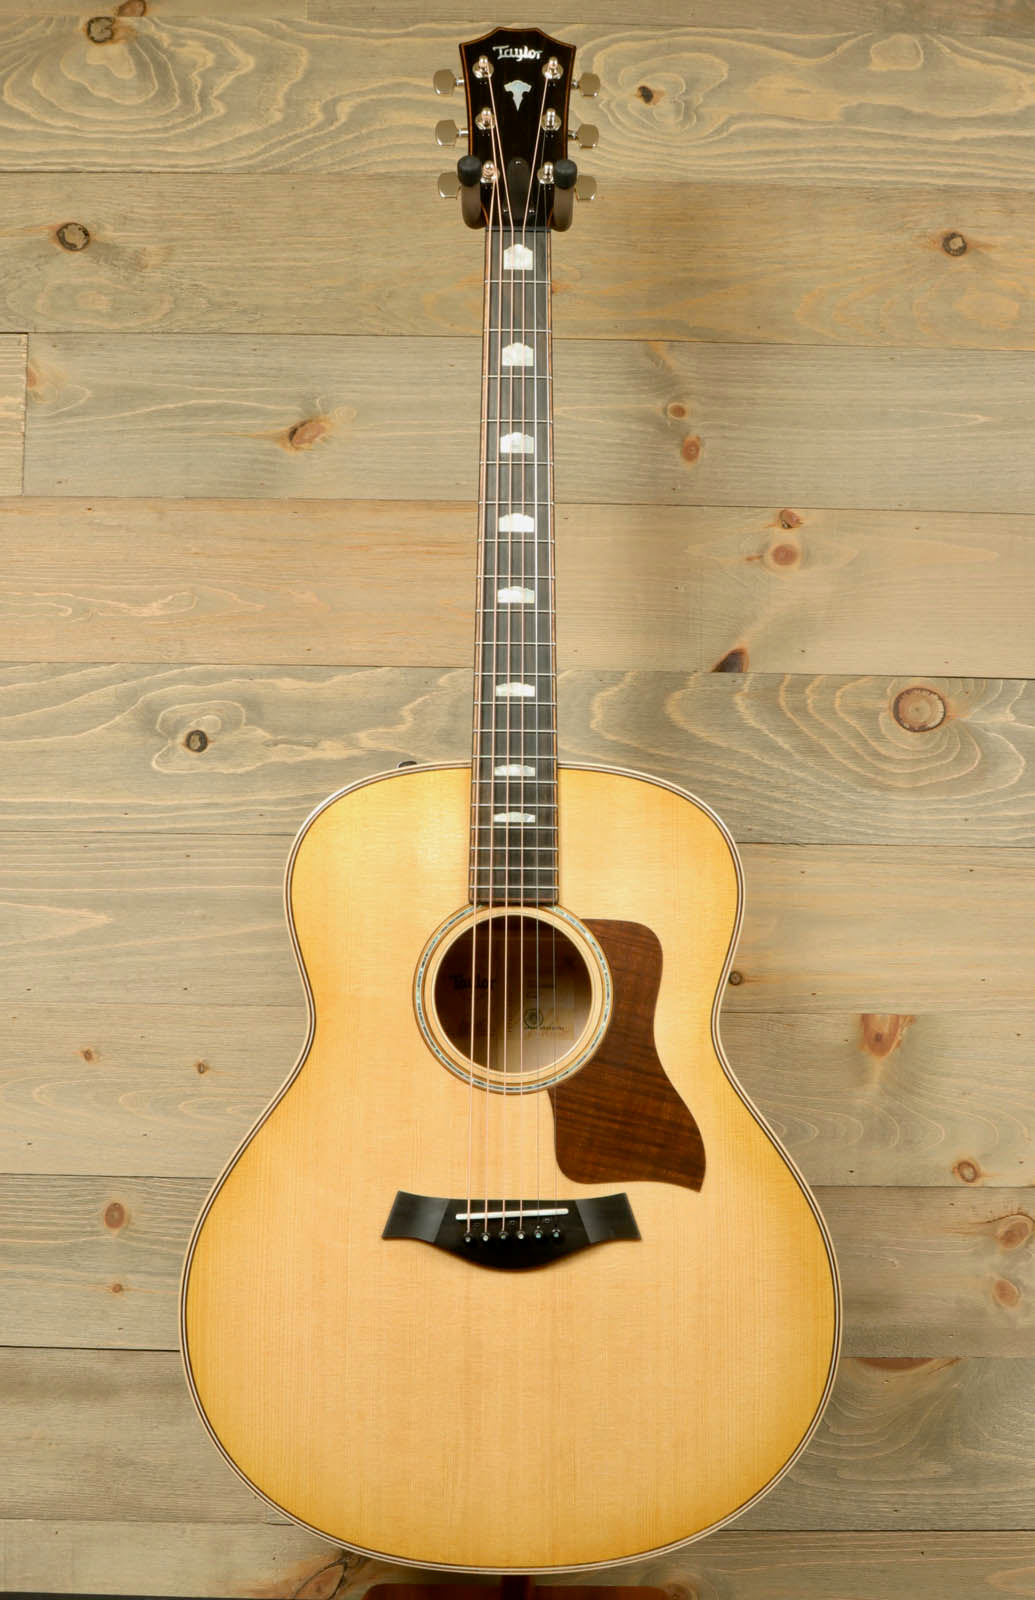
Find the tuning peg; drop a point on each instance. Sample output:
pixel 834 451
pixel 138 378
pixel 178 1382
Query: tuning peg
pixel 585 188
pixel 586 135
pixel 588 85
pixel 446 80
pixel 448 185
pixel 447 132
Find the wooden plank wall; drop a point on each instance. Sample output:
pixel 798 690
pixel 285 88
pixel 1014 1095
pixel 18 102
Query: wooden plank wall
pixel 795 466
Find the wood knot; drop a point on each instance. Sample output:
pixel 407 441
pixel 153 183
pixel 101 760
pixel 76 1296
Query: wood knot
pixel 1014 1231
pixel 789 519
pixel 676 409
pixel 736 977
pixel 116 1288
pixel 201 1067
pixel 895 1363
pixel 305 434
pixel 954 244
pixel 115 1216
pixel 883 1032
pixel 88 1054
pixel 132 8
pixel 100 30
pixel 785 555
pixel 73 236
pixel 1005 1293
pixel 645 94
pixel 735 660
pixel 967 1171
pixel 325 1583
pixel 919 709
pixel 196 740
pixel 690 448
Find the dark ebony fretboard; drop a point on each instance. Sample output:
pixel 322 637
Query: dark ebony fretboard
pixel 514 788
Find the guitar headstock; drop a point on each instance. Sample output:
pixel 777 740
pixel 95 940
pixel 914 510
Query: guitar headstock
pixel 517 172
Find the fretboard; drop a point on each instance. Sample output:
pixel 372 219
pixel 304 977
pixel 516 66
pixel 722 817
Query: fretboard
pixel 514 781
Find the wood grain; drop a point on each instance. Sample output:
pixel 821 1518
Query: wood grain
pixel 172 1090
pixel 89 1430
pixel 674 589
pixel 683 423
pixel 12 412
pixel 227 1560
pixel 313 254
pixel 915 1443
pixel 1005 17
pixel 893 1099
pixel 192 919
pixel 95 1262
pixel 793 759
pixel 723 104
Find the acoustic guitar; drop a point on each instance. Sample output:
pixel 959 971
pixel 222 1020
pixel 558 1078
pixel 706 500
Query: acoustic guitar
pixel 511 1276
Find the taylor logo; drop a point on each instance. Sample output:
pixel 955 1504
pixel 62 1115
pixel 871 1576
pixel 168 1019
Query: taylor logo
pixel 517 52
pixel 518 90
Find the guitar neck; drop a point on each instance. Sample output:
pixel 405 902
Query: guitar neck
pixel 514 758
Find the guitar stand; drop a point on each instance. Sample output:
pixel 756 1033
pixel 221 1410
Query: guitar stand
pixel 509 1588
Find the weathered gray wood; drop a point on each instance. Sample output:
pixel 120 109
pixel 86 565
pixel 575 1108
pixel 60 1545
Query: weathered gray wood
pixel 939 1444
pixel 12 411
pixel 666 588
pixel 198 919
pixel 240 10
pixel 315 254
pixel 96 1262
pixel 779 106
pixel 684 423
pixel 171 1090
pixel 92 1433
pixel 879 1099
pixel 898 930
pixel 226 1560
pixel 857 1566
pixel 1006 17
pixel 793 759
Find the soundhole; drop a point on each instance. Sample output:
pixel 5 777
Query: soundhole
pixel 514 999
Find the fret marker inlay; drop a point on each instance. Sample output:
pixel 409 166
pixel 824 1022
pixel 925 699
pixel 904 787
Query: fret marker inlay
pixel 516 597
pixel 517 522
pixel 517 444
pixel 518 258
pixel 514 816
pixel 518 355
pixel 514 769
pixel 508 691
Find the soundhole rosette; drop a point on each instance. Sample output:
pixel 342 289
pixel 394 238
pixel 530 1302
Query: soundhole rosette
pixel 536 983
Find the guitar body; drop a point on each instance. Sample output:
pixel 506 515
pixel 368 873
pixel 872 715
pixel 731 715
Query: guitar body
pixel 412 1403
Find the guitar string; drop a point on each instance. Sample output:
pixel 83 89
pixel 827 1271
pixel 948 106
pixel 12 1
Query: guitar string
pixel 535 614
pixel 477 743
pixel 501 178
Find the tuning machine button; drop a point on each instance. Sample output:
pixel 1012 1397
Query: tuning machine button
pixel 447 132
pixel 586 135
pixel 446 80
pixel 448 185
pixel 469 171
pixel 588 85
pixel 565 174
pixel 586 188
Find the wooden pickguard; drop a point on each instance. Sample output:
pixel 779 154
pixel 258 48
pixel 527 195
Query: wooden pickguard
pixel 619 1118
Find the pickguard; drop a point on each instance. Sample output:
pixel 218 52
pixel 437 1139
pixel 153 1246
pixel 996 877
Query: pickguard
pixel 619 1117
